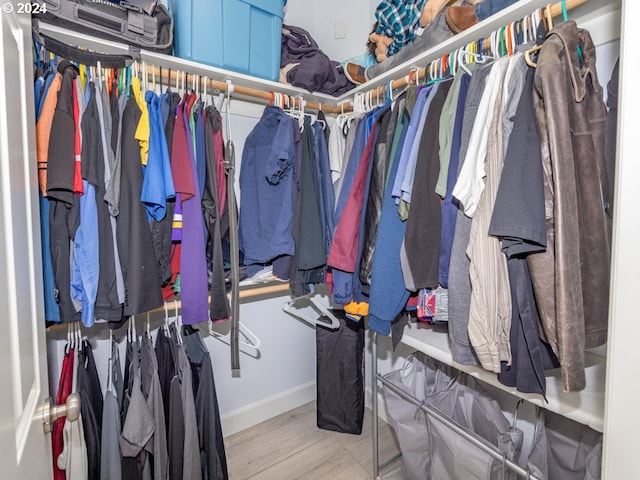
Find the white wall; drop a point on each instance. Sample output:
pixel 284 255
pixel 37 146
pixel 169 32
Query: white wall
pixel 319 18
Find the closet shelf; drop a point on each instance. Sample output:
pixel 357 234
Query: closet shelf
pixel 188 66
pixel 483 30
pixel 479 31
pixel 248 293
pixel 586 407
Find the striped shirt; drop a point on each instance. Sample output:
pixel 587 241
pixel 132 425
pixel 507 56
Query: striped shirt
pixel 399 20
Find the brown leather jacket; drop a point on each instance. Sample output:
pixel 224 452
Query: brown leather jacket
pixel 571 279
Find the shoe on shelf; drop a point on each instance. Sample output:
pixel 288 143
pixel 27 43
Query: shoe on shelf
pixel 355 73
pixel 460 18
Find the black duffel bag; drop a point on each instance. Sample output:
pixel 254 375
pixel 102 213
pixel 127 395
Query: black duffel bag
pixel 143 23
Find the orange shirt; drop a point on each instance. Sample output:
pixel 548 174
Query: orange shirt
pixel 43 130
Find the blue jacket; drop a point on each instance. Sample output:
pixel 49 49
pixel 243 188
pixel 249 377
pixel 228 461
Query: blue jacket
pixel 266 183
pixel 388 293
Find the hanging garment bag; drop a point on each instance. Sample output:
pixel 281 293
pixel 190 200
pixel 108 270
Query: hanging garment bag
pixel 340 376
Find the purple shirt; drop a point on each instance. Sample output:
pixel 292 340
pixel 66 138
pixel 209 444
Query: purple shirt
pixel 193 260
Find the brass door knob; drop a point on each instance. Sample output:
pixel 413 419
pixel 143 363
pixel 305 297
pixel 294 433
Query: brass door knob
pixel 51 412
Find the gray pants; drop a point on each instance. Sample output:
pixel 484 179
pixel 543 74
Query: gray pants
pixel 436 32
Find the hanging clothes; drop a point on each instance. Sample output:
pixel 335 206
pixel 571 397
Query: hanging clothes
pixel 168 375
pixel 378 179
pixel 44 125
pixel 459 282
pixel 415 103
pixel 65 386
pixel 157 186
pixel 215 211
pixel 193 266
pixel 490 308
pixel 61 155
pixel 99 160
pixel 266 182
pixel 137 420
pixel 110 455
pixel 420 251
pixel 143 440
pixel 156 447
pixel 459 88
pixel 343 162
pixel 326 197
pixel 139 265
pixel 212 452
pixel 343 255
pixel 47 104
pixel 85 270
pixel 358 308
pixel 189 446
pixel 163 232
pixel 569 277
pixel 611 133
pixel 64 217
pixel 113 180
pixel 286 266
pixel 91 407
pixel 519 219
pixel 73 457
pixel 311 247
pixel 388 293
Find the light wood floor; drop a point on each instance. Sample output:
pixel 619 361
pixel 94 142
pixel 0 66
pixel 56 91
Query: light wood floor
pixel 291 446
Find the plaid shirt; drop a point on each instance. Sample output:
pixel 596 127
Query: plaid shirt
pixel 399 19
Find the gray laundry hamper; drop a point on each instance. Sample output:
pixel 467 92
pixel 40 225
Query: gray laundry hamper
pixel 420 377
pixel 430 449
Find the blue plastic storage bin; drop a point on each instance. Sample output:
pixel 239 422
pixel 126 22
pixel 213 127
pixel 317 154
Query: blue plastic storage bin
pixel 240 35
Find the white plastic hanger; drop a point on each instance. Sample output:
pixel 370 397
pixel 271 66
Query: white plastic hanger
pixel 324 313
pixel 178 323
pixel 110 362
pixel 252 338
pixel 78 335
pixel 253 341
pixel 70 339
pixel 294 112
pixel 228 109
pixel 166 317
pixel 132 328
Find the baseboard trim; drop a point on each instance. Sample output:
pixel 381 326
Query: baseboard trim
pixel 267 408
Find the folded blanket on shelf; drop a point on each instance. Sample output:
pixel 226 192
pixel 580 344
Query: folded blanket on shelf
pixel 303 64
